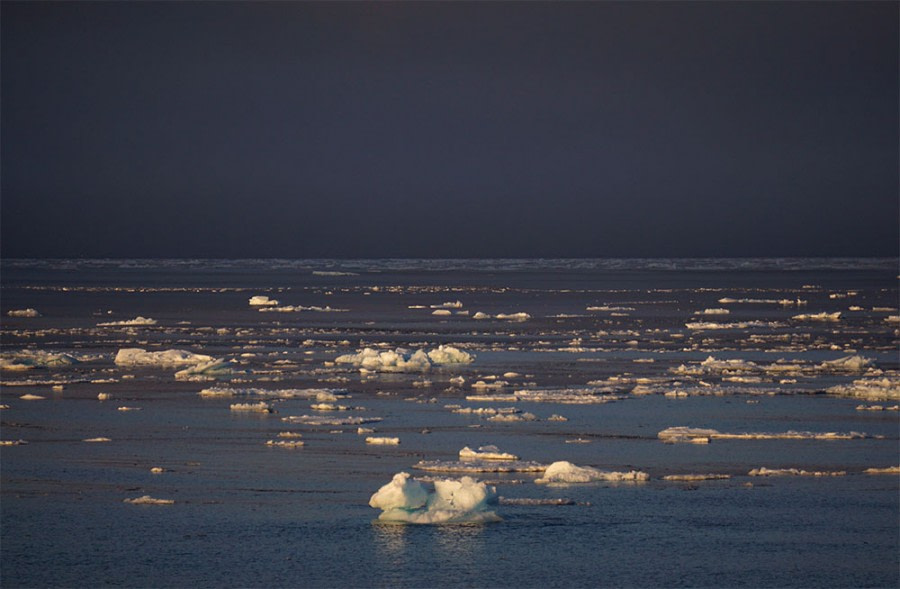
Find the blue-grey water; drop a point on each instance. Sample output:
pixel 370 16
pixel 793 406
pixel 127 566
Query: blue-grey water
pixel 629 337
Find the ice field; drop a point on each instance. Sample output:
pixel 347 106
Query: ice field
pixel 410 423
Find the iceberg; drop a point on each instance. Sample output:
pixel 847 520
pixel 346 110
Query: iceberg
pixel 463 500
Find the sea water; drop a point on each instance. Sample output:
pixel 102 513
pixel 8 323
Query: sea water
pixel 792 364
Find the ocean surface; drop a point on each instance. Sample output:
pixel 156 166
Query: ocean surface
pixel 735 422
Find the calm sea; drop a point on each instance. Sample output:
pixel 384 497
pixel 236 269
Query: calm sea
pixel 783 376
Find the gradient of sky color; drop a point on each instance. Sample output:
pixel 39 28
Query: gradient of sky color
pixel 427 129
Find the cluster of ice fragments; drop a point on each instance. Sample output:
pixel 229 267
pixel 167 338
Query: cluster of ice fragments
pixel 29 312
pixel 402 360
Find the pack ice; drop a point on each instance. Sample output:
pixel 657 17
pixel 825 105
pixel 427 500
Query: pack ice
pixel 401 360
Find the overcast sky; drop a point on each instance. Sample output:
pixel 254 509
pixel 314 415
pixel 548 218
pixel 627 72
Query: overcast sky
pixel 425 129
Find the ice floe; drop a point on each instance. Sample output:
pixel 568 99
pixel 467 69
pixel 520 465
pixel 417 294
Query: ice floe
pixel 300 308
pixel 695 477
pixel 206 371
pixel 164 358
pixel 327 420
pixel 485 453
pixel 463 500
pixel 285 443
pixel 29 312
pixel 137 321
pixel 564 472
pixel 480 465
pixel 774 472
pixel 382 441
pixel 870 389
pixel 261 407
pixel 148 500
pixel 887 470
pixel 700 435
pixel 29 359
pixel 402 360
pixel 262 301
pixel 823 316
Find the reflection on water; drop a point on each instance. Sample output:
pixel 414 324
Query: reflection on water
pixel 460 541
pixel 390 539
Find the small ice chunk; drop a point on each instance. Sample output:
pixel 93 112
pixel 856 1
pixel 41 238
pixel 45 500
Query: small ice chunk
pixel 382 441
pixel 30 397
pixel 148 500
pixel 261 407
pixel 97 440
pixel 442 312
pixel 285 443
pixel 29 312
pixel 165 358
pixel 157 470
pixel 823 316
pixel 513 316
pixel 887 470
pixel 485 453
pixel 262 301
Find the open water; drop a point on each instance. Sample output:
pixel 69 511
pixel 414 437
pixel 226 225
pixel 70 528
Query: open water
pixel 622 349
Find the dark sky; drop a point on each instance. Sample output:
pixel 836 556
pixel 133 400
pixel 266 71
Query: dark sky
pixel 422 129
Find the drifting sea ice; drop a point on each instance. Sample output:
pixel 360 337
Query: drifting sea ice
pixel 564 472
pixel 463 500
pixel 769 472
pixel 327 420
pixel 148 500
pixel 485 453
pixel 382 441
pixel 137 321
pixel 165 358
pixel 692 435
pixel 28 359
pixel 872 389
pixel 260 407
pixel 823 316
pixel 23 313
pixel 262 301
pixel 401 360
pixel 206 371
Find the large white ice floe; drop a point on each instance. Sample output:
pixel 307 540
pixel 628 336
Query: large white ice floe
pixel 28 359
pixel 401 360
pixel 463 500
pixel 564 472
pixel 700 435
pixel 163 358
pixel 137 321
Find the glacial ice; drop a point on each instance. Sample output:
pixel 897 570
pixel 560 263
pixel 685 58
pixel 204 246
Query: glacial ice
pixel 463 500
pixel 401 360
pixel 564 472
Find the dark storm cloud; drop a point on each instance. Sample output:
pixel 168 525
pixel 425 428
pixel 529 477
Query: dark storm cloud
pixel 449 129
